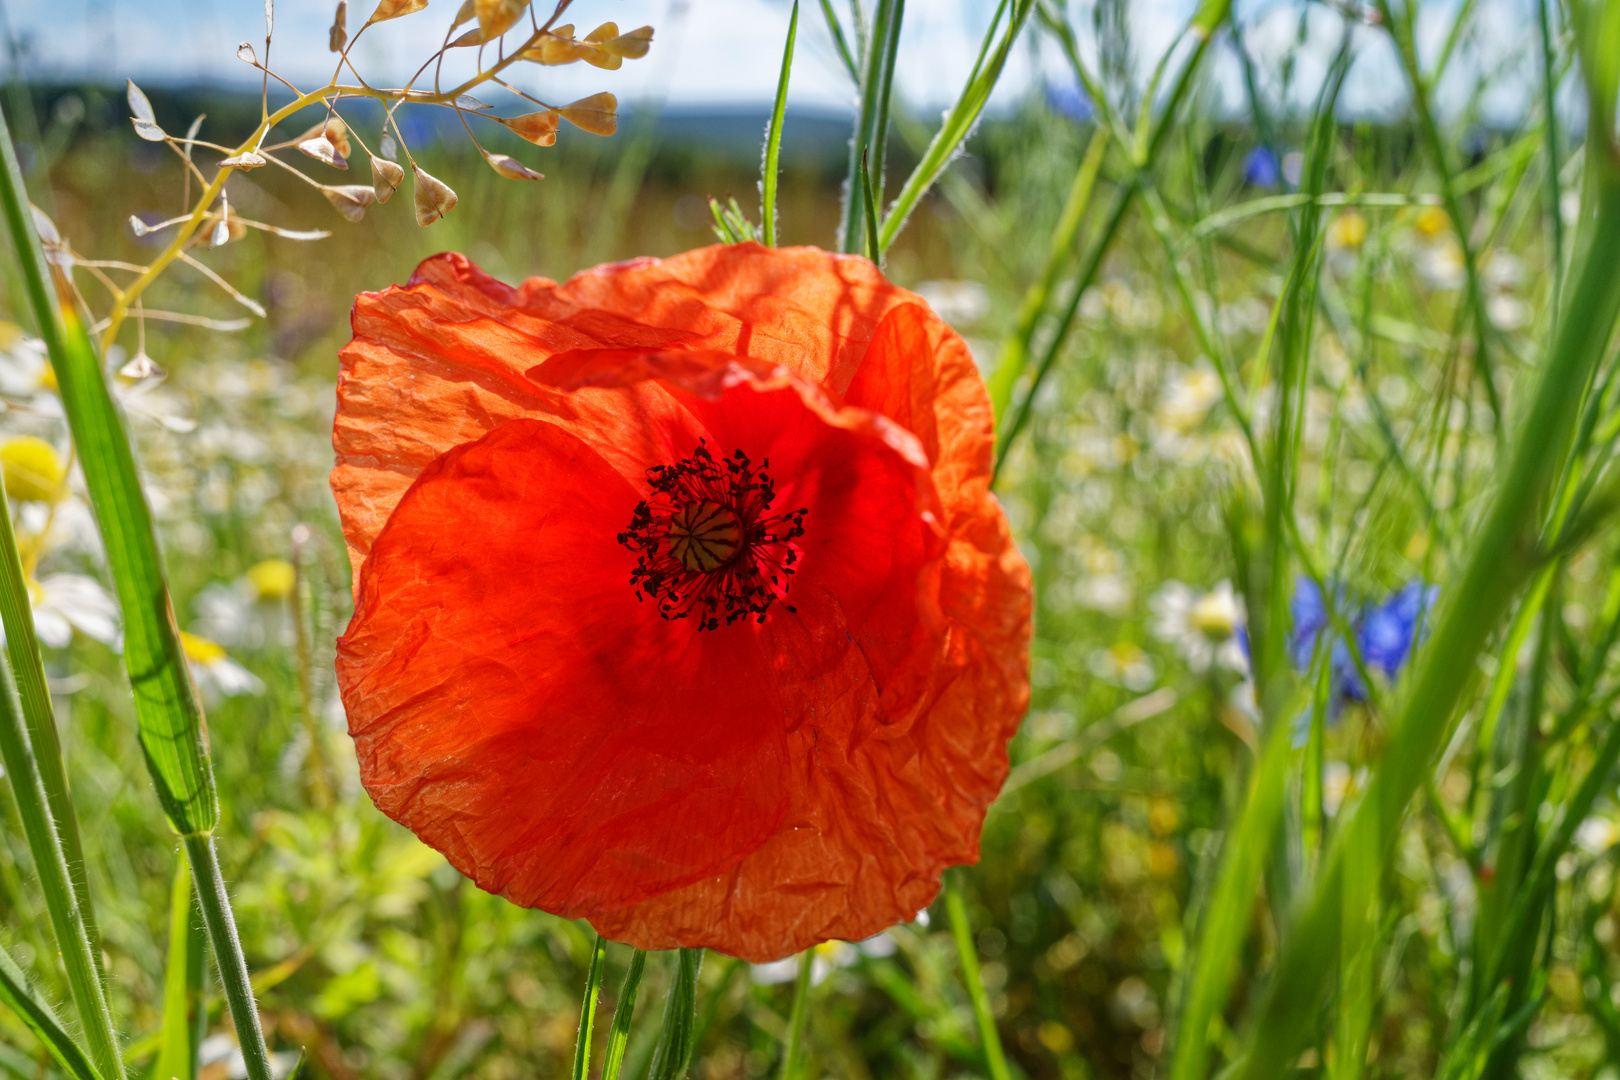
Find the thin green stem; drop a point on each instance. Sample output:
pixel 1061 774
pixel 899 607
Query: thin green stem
pixel 840 42
pixel 233 971
pixel 587 1009
pixel 183 978
pixel 995 1059
pixel 1016 349
pixel 1401 31
pixel 1549 121
pixel 773 137
pixel 797 1016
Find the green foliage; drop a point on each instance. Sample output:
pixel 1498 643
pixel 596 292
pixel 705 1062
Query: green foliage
pixel 1398 369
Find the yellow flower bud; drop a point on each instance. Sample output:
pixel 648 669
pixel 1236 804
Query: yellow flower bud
pixel 33 470
pixel 272 579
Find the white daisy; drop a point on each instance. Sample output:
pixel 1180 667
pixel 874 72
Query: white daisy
pixel 217 675
pixel 1123 664
pixel 64 603
pixel 250 610
pixel 1205 626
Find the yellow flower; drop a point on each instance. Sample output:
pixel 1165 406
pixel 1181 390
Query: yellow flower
pixel 200 650
pixel 1349 231
pixel 33 470
pixel 1432 221
pixel 272 579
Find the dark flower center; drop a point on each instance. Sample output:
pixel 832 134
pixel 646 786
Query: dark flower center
pixel 707 541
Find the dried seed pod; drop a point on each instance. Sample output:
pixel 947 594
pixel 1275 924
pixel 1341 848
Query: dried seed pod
pixel 386 176
pixel 495 17
pixel 631 46
pixel 434 199
pixel 350 200
pixel 144 120
pixel 539 128
pixel 554 50
pixel 393 9
pixel 244 161
pixel 511 167
pixel 338 36
pixel 321 149
pixel 597 114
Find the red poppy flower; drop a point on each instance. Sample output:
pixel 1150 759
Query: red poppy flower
pixel 682 602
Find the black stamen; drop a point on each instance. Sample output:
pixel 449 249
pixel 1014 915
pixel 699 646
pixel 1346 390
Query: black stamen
pixel 707 543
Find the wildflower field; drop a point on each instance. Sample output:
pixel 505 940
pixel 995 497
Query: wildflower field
pixel 1120 582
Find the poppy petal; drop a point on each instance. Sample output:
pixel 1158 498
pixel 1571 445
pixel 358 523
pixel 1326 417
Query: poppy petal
pixel 513 703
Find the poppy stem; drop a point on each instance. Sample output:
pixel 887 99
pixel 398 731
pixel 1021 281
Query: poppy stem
pixel 796 1018
pixel 587 1010
pixel 995 1060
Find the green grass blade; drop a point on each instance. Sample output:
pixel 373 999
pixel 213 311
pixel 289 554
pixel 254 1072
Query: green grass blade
pixel 673 1055
pixel 797 1016
pixel 623 1012
pixel 28 666
pixel 960 121
pixel 872 121
pixel 172 732
pixel 14 991
pixel 1501 562
pixel 840 42
pixel 78 954
pixel 171 721
pixel 182 981
pixel 587 1009
pixel 1225 922
pixel 773 135
pixel 995 1058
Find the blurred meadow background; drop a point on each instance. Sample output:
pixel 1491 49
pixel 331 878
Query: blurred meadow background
pixel 1264 310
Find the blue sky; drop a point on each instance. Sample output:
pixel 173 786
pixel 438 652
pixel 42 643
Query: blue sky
pixel 715 52
pixel 705 51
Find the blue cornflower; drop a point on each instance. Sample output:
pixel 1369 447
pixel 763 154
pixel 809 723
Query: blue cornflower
pixel 1070 101
pixel 1385 634
pixel 1310 613
pixel 1390 630
pixel 1261 168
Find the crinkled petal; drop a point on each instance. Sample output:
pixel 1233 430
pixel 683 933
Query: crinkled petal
pixel 902 673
